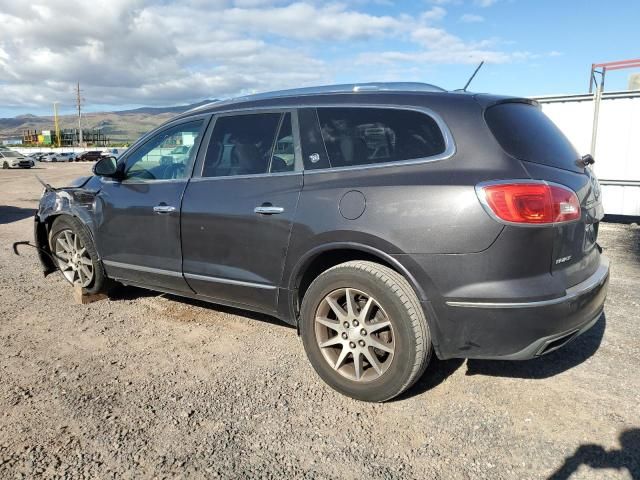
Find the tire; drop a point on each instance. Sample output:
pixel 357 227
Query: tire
pixel 99 283
pixel 5 165
pixel 406 338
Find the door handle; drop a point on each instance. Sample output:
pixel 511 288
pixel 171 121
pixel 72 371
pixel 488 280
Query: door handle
pixel 164 209
pixel 268 209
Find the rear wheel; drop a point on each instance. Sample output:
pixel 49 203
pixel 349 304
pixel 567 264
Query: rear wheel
pixel 364 331
pixel 76 255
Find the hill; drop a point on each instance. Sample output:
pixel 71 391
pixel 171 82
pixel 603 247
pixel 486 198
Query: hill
pixel 119 126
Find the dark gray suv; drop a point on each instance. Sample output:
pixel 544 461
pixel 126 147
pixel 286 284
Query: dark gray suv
pixel 385 221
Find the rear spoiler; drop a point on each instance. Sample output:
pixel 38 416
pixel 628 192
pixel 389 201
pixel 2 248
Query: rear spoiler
pixel 486 101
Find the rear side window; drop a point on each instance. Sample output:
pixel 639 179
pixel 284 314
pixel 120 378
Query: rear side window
pixel 363 136
pixel 526 133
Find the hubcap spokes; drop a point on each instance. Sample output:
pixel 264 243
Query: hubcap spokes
pixel 354 334
pixel 73 258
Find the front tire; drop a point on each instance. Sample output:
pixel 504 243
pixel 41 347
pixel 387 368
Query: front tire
pixel 364 331
pixel 76 255
pixel 5 165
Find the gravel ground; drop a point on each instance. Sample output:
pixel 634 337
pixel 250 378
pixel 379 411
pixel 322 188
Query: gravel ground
pixel 145 385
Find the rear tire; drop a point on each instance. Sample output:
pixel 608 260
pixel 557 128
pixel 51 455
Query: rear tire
pixel 76 255
pixel 364 331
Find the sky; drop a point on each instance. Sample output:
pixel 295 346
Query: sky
pixel 128 53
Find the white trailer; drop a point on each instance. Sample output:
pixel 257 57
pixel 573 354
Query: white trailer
pixel 617 147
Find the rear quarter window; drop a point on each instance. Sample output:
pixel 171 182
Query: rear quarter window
pixel 524 132
pixel 365 136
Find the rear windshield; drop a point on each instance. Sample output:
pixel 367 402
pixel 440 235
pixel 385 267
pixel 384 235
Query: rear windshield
pixel 526 133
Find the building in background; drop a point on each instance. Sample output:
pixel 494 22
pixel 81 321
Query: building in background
pixel 69 137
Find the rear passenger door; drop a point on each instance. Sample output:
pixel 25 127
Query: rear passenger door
pixel 238 209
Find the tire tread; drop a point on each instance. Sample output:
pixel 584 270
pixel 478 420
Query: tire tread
pixel 401 288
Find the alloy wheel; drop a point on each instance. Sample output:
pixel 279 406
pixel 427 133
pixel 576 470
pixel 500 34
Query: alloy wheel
pixel 73 258
pixel 354 334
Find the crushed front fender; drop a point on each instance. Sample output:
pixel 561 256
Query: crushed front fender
pixel 77 201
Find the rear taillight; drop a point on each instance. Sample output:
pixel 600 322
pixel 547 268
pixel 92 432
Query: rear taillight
pixel 529 202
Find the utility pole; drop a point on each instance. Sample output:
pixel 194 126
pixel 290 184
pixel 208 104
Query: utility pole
pixel 55 122
pixel 79 103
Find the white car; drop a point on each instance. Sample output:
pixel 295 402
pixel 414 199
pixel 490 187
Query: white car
pixel 48 157
pixel 11 159
pixel 113 152
pixel 63 157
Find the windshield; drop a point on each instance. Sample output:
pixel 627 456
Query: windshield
pixel 9 153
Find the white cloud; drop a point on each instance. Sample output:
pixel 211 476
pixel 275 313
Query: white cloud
pixel 441 47
pixel 445 2
pixel 159 52
pixel 484 3
pixel 434 14
pixel 471 18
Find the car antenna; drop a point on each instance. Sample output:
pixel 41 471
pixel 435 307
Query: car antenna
pixel 473 76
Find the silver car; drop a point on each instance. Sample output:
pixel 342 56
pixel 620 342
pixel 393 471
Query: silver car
pixel 12 159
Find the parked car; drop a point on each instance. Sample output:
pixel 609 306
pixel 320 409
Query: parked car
pixel 113 152
pixel 89 156
pixel 36 156
pixel 389 222
pixel 48 157
pixel 13 159
pixel 63 157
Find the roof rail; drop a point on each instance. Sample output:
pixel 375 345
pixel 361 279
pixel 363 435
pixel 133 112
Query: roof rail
pixel 329 89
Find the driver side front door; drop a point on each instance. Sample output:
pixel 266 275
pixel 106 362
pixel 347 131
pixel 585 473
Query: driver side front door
pixel 138 218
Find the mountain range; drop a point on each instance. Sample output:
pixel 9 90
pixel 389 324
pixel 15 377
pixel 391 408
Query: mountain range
pixel 120 126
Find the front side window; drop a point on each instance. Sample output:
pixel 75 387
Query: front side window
pixel 166 156
pixel 250 144
pixel 363 136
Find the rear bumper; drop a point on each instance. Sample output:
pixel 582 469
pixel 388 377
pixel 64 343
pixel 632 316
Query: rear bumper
pixel 522 330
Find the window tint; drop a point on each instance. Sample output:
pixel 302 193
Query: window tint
pixel 361 136
pixel 167 155
pixel 526 133
pixel 314 154
pixel 243 145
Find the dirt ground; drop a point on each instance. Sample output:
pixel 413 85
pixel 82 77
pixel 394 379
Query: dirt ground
pixel 145 385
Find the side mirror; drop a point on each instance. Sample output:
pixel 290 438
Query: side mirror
pixel 106 167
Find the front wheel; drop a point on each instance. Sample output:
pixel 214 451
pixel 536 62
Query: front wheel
pixel 364 331
pixel 77 258
pixel 5 165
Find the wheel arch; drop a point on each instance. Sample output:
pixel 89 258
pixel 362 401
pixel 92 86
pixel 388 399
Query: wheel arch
pixel 42 230
pixel 321 258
